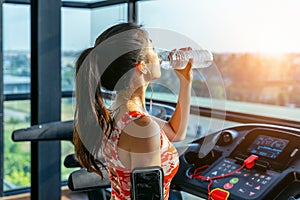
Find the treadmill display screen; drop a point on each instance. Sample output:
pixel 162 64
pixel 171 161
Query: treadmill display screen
pixel 267 146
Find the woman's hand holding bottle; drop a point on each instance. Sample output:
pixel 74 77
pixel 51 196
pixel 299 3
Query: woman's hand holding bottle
pixel 185 74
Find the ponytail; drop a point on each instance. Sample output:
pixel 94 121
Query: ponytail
pixel 89 78
pixel 84 155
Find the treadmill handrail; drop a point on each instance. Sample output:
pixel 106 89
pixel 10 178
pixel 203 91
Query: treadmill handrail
pixel 61 130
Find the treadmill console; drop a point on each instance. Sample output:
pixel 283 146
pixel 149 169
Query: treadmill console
pixel 278 157
pixel 267 146
pixel 275 149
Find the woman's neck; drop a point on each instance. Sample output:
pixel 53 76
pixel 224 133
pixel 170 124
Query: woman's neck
pixel 131 101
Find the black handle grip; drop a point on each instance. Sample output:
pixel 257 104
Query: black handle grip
pixel 71 161
pixel 82 180
pixel 45 132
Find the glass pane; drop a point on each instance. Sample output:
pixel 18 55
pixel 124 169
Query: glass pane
pixel 103 18
pixel 67 109
pixel 67 148
pixel 256 56
pixel 16 48
pixel 16 64
pixel 16 154
pixel 80 28
pixel 76 36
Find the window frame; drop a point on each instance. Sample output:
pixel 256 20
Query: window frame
pixel 1 105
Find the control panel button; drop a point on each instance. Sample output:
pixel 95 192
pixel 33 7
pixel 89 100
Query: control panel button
pixel 250 184
pixel 228 186
pixel 242 190
pixel 294 152
pixel 268 178
pixel 214 173
pixel 257 187
pixel 251 194
pixel 234 180
pixel 264 182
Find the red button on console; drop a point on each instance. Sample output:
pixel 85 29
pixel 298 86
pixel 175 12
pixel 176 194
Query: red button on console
pixel 228 186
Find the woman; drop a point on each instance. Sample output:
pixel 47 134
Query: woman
pixel 130 136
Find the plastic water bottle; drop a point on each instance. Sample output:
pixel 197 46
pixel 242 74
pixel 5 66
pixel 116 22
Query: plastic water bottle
pixel 179 59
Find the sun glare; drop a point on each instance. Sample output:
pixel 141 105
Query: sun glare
pixel 276 31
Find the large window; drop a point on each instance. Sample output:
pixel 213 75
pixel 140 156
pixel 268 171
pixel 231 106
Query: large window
pixel 16 155
pixel 76 36
pixel 16 76
pixel 102 18
pixel 256 67
pixel 16 48
pixel 255 51
pixel 80 28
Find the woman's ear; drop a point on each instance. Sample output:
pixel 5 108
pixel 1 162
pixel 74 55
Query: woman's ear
pixel 140 66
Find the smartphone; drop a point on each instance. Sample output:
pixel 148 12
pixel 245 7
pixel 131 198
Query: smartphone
pixel 147 183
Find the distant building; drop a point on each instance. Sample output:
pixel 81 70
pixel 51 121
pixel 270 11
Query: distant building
pixel 16 84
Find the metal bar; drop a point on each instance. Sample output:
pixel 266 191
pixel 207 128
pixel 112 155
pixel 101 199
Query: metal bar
pixel 107 3
pixel 26 96
pixel 45 96
pixel 132 11
pixel 17 97
pixel 17 1
pixel 67 94
pixel 72 4
pixel 1 106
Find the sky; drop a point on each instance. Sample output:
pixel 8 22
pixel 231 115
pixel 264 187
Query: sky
pixel 268 26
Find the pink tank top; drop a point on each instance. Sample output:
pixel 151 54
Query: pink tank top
pixel 121 180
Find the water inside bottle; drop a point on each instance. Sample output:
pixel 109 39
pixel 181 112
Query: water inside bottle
pixel 163 56
pixel 179 59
